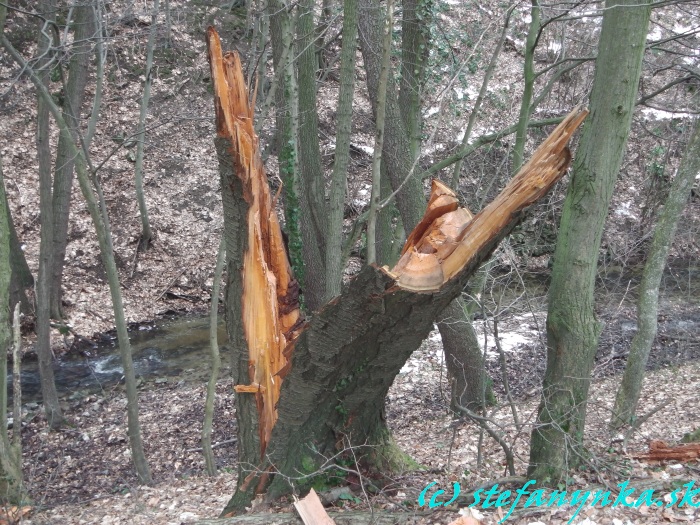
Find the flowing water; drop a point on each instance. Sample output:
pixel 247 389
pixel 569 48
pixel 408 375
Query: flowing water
pixel 168 349
pixel 178 349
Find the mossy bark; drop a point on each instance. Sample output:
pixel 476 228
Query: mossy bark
pixel 572 327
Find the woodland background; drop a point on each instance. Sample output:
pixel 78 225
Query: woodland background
pixel 89 458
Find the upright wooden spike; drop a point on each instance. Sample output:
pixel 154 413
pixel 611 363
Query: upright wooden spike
pixel 270 306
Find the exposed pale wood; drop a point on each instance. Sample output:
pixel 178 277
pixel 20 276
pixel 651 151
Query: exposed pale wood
pixel 452 239
pixel 311 510
pixel 660 451
pixel 346 357
pixel 271 316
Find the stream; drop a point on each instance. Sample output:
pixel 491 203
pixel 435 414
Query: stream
pixel 178 349
pixel 171 348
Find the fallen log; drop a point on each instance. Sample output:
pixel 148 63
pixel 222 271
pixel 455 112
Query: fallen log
pixel 307 391
pixel 339 517
pixel 661 451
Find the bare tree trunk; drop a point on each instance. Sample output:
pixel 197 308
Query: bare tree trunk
pixel 339 177
pixel 98 213
pixel 63 170
pixel 572 327
pixel 21 277
pixel 410 200
pixel 528 85
pixel 380 121
pixel 313 206
pixel 282 25
pixel 648 302
pixel 54 415
pixel 209 459
pixel 10 460
pixel 146 233
pixel 399 155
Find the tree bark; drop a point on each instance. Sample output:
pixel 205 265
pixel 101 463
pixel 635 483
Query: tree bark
pixel 207 451
pixel 146 233
pixel 10 460
pixel 98 213
pixel 312 196
pixel 339 178
pixel 336 369
pixel 54 415
pixel 21 277
pixel 380 122
pixel 410 200
pixel 84 24
pixel 648 302
pixel 287 121
pixel 528 85
pixel 399 158
pixel 572 328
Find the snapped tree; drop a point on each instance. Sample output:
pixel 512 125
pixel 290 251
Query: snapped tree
pixel 306 389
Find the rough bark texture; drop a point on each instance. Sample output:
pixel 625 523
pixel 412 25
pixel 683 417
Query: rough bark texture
pixel 572 328
pixel 342 363
pixel 396 149
pixel 43 285
pixel 10 459
pixel 63 171
pixel 21 277
pixel 463 357
pixel 334 259
pixel 648 302
pixel 313 207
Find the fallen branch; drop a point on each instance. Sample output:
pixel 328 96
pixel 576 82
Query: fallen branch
pixel 339 517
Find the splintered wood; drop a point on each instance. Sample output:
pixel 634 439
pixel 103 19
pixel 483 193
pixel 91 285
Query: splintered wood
pixel 448 237
pixel 271 316
pixel 443 244
pixel 660 451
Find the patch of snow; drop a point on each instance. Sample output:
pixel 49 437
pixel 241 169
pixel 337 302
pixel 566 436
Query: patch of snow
pixel 624 210
pixel 660 114
pixel 366 149
pixel 654 34
pixel 432 111
pixel 554 47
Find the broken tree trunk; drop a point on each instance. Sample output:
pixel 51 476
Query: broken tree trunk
pixel 307 391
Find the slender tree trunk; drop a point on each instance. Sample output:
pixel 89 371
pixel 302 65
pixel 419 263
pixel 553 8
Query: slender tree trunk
pixel 282 24
pixel 415 49
pixel 648 302
pixel 410 200
pixel 21 277
pixel 313 207
pixel 339 178
pixel 43 286
pixel 63 170
pixel 379 137
pixel 209 459
pixel 10 461
pixel 572 328
pixel 98 213
pixel 528 85
pixel 146 233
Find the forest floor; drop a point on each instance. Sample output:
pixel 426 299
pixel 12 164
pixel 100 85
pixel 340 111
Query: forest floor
pixel 82 474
